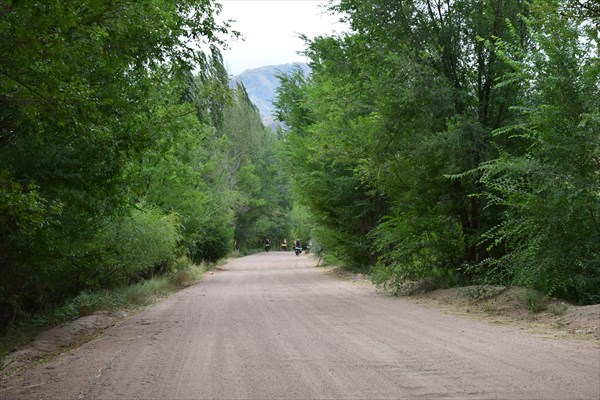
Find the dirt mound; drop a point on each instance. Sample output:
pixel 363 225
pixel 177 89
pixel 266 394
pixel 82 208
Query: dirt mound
pixel 498 304
pixel 525 307
pixel 58 339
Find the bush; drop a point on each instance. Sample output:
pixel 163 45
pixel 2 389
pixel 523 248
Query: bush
pixel 139 246
pixel 188 275
pixel 212 245
pixel 413 248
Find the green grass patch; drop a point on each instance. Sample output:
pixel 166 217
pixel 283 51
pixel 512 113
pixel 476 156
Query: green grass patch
pixel 536 301
pixel 558 308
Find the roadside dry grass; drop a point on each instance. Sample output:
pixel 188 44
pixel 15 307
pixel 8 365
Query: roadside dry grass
pixel 86 316
pixel 517 306
pixel 514 306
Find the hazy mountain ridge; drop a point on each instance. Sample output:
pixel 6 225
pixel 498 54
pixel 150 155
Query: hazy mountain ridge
pixel 261 83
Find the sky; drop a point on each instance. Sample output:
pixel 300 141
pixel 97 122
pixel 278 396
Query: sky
pixel 271 28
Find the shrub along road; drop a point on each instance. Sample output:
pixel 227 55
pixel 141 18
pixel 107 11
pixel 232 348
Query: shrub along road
pixel 273 326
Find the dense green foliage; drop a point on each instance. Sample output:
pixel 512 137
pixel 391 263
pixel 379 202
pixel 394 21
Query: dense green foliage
pixel 454 139
pixel 549 191
pixel 261 202
pixel 122 149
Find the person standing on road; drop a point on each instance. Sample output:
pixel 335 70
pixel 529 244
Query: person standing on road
pixel 267 245
pixel 284 245
pixel 298 247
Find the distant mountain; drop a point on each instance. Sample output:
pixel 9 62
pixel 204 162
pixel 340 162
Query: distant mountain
pixel 261 83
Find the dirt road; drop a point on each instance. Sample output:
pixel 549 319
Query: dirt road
pixel 272 326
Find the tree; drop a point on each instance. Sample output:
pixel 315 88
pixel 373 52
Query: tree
pixel 549 190
pixel 261 200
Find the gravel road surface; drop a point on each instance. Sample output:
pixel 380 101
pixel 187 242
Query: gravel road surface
pixel 271 326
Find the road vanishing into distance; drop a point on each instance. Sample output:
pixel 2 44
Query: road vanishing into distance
pixel 272 326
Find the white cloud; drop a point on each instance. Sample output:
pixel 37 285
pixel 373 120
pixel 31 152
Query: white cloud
pixel 271 30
